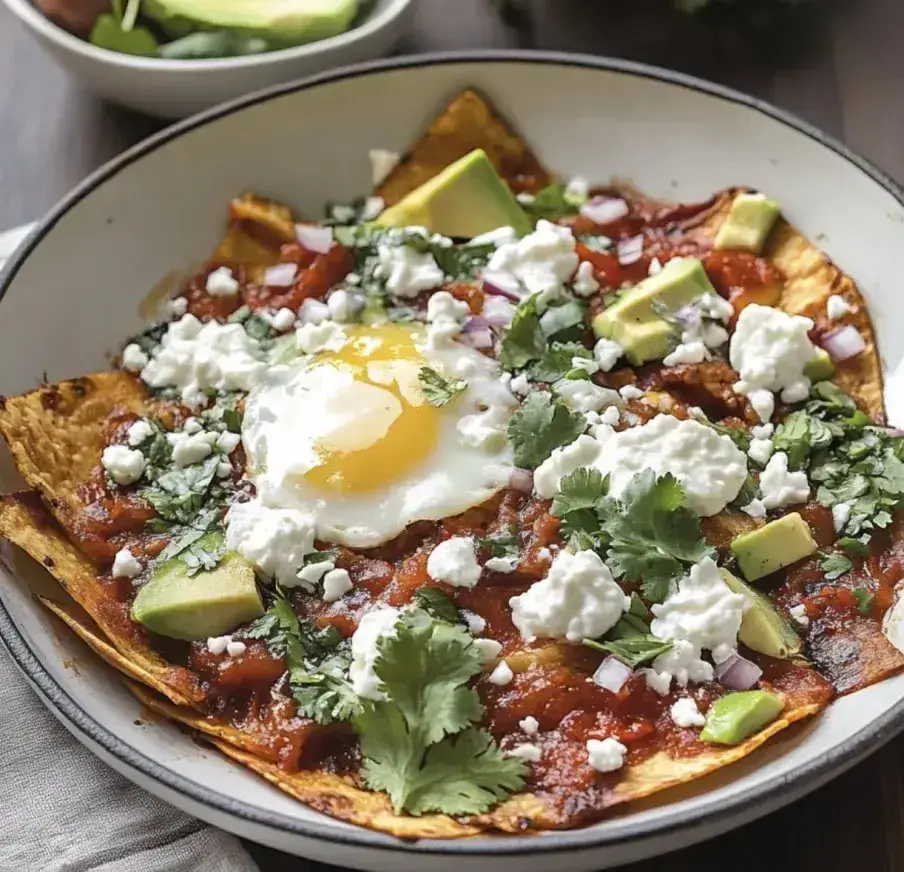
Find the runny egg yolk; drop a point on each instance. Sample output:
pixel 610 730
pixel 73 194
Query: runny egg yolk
pixel 375 424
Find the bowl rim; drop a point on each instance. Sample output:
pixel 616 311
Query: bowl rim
pixel 780 790
pixel 376 21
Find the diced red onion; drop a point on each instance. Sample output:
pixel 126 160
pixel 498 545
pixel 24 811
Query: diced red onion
pixel 630 250
pixel 499 319
pixel 737 673
pixel 522 480
pixel 612 674
pixel 844 343
pixel 314 238
pixel 478 339
pixel 602 210
pixel 281 275
pixel 476 324
pixel 501 285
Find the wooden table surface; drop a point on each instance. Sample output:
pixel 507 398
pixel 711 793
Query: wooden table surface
pixel 838 64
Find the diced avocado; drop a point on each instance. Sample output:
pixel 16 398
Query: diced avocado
pixel 749 222
pixel 736 716
pixel 466 199
pixel 279 23
pixel 820 367
pixel 182 606
pixel 773 546
pixel 763 629
pixel 635 322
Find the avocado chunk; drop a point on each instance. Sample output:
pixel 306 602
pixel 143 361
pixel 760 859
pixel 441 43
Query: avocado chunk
pixel 749 222
pixel 181 606
pixel 280 23
pixel 736 716
pixel 466 199
pixel 773 546
pixel 820 367
pixel 763 629
pixel 636 321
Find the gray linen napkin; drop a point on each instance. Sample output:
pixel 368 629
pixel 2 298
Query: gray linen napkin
pixel 62 810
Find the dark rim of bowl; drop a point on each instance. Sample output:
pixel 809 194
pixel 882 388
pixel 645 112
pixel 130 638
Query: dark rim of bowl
pixel 715 815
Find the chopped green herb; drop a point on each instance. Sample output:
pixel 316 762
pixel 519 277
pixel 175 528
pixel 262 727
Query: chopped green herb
pixel 524 341
pixel 500 545
pixel 834 565
pixel 556 362
pixel 633 651
pixel 541 425
pixel 551 203
pixel 595 242
pixel 865 600
pixel 437 390
pixel 438 604
pixel 203 45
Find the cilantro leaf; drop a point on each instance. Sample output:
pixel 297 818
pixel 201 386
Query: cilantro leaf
pixel 540 426
pixel 500 545
pixel 419 746
pixel 556 362
pixel 582 489
pixel 653 535
pixel 524 340
pixel 834 565
pixel 437 390
pixel 551 202
pixel 325 695
pixel 634 651
pixel 180 493
pixel 438 604
pixel 865 600
pixel 799 435
pixel 738 435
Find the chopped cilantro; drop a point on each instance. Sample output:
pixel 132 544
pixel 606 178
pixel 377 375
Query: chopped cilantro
pixel 223 415
pixel 462 262
pixel 834 565
pixel 595 242
pixel 541 425
pixel 633 651
pixel 438 604
pixel 556 362
pixel 437 390
pixel 149 339
pixel 563 321
pixel 500 545
pixel 749 492
pixel 524 341
pixel 865 600
pixel 799 435
pixel 179 494
pixel 738 435
pixel 551 203
pixel 420 746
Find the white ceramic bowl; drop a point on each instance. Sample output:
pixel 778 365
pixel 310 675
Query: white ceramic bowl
pixel 176 89
pixel 71 293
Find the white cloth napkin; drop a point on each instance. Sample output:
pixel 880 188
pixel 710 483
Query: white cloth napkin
pixel 62 810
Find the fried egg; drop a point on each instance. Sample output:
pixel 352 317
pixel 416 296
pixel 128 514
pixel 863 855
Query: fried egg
pixel 347 436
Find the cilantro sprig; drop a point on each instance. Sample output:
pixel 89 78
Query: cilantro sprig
pixel 524 340
pixel 438 391
pixel 541 425
pixel 420 746
pixel 552 202
pixel 557 363
pixel 633 651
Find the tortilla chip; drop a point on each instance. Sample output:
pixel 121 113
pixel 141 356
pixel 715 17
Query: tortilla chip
pixel 468 122
pixel 21 522
pixel 257 229
pixel 56 434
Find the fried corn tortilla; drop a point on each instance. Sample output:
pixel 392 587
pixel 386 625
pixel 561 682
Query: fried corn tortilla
pixel 56 434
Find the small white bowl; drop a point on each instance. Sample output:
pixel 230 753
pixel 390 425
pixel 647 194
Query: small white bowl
pixel 176 89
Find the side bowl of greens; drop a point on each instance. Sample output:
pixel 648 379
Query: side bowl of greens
pixel 172 58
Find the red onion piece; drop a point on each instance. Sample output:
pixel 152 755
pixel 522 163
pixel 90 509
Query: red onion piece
pixel 499 319
pixel 630 250
pixel 844 343
pixel 612 674
pixel 501 285
pixel 314 238
pixel 478 339
pixel 280 275
pixel 602 210
pixel 737 673
pixel 522 480
pixel 476 324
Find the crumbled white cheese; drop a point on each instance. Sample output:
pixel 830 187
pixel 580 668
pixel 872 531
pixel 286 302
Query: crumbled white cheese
pixel 685 713
pixel 577 188
pixel 445 315
pixel 193 357
pixel 607 352
pixel 520 385
pixel 133 358
pixel 282 320
pixel 496 237
pixel 373 206
pixel 755 508
pixel 611 416
pixel 476 624
pixel 498 311
pixel 682 664
pixel 274 540
pixel 799 613
pixel 227 442
pixel 606 755
pixel 501 564
pixel 344 306
pixel 585 283
pixel 324 336
pixel 235 648
pixel 760 450
pixel 222 283
pixel 686 352
pixel 140 431
pixel 578 599
pixel 525 198
pixel 336 583
pixel 382 163
pixel 192 425
pixel 124 465
pixel 659 682
pixel 530 725
pixel 177 307
pixel 583 395
pixel 837 307
pixel 224 469
pixel 630 392
pixel 841 512
pixel 454 562
pixel 217 644
pixel 190 449
pixel 780 487
pixel 313 312
pixel 125 565
pixel 308 576
pixel 542 261
pixel 770 351
pixel 586 364
pixel 527 752
pixel 376 624
pixel 489 649
pixel 407 272
pixel 563 461
pixel 502 674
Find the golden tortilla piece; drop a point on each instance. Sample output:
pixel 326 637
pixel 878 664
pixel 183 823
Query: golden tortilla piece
pixel 468 122
pixel 257 229
pixel 24 523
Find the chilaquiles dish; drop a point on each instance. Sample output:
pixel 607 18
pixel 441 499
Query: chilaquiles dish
pixel 490 503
